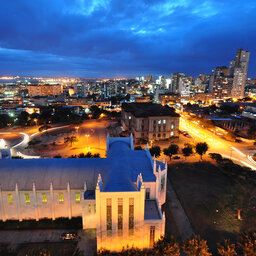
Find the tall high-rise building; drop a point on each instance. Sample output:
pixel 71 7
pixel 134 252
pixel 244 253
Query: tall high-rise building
pixel 220 83
pixel 175 82
pixel 238 70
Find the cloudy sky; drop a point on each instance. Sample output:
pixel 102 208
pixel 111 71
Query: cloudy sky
pixel 123 38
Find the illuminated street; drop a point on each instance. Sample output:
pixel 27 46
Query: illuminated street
pixel 234 151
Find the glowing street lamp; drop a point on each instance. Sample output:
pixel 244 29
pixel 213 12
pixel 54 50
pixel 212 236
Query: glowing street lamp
pixel 77 128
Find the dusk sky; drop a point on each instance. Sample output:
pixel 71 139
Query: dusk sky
pixel 118 38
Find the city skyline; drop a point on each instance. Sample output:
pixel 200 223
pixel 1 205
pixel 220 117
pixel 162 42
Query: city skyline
pixel 116 39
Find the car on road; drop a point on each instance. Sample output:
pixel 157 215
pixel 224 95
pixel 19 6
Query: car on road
pixel 70 236
pixel 176 157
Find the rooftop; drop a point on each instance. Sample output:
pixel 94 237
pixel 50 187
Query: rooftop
pixel 119 171
pixel 151 210
pixel 145 109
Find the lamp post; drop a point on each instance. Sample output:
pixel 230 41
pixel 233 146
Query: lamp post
pixel 77 128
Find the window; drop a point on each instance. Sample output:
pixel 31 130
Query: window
pixel 61 198
pixel 152 236
pixel 164 121
pixel 159 121
pixel 89 208
pixel 154 122
pixel 27 199
pixel 77 197
pixel 131 216
pixel 164 135
pixel 95 208
pixel 159 134
pixel 44 198
pixel 172 126
pixel 130 117
pixel 147 193
pixel 10 198
pixel 172 133
pixel 154 135
pixel 120 216
pixel 109 217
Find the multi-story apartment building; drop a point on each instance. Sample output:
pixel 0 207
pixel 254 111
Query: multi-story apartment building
pixel 220 83
pixel 150 121
pixel 44 90
pixel 175 82
pixel 238 70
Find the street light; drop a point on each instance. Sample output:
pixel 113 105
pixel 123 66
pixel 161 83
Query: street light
pixel 77 127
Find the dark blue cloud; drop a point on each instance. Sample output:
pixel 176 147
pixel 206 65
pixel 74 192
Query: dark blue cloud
pixel 105 38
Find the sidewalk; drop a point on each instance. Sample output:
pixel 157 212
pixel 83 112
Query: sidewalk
pixel 181 219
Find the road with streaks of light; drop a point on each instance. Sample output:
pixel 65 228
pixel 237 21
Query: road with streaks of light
pixel 238 152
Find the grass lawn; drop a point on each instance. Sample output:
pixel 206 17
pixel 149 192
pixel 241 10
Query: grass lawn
pixel 60 223
pixel 211 195
pixel 48 249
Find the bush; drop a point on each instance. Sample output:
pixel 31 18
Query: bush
pixel 217 157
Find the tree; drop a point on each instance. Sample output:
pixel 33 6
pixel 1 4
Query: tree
pixel 196 247
pixel 166 247
pixel 57 156
pixel 88 155
pixel 138 148
pixel 217 157
pixel 96 155
pixel 187 151
pixel 226 248
pixel 248 244
pixel 81 155
pixel 155 151
pixel 171 150
pixel 201 148
pixel 71 140
pixel 23 118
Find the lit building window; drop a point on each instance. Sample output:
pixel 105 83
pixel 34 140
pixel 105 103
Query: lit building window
pixel 27 199
pixel 147 193
pixel 130 117
pixel 61 198
pixel 89 208
pixel 172 133
pixel 44 198
pixel 152 236
pixel 131 216
pixel 120 215
pixel 10 198
pixel 77 197
pixel 164 121
pixel 172 126
pixel 109 217
pixel 159 121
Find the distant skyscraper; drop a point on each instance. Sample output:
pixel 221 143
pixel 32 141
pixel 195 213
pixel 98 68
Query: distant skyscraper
pixel 220 83
pixel 238 70
pixel 175 82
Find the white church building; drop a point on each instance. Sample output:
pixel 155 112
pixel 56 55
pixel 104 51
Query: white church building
pixel 120 196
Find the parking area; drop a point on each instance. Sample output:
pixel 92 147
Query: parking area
pixel 87 243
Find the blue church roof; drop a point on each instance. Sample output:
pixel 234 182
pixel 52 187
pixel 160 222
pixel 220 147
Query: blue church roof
pixel 119 171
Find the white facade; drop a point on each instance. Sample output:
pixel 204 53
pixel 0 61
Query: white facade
pixel 120 195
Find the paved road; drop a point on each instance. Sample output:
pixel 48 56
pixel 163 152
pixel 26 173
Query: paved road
pixel 238 152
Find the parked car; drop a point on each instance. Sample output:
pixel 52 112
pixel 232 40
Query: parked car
pixel 69 236
pixel 176 157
